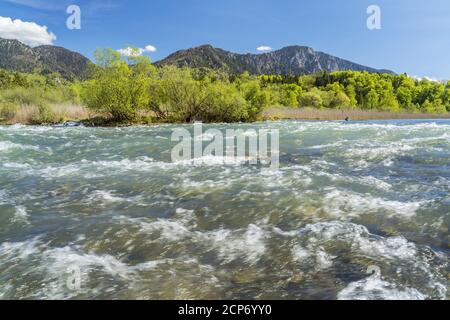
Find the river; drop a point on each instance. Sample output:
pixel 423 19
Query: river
pixel 357 210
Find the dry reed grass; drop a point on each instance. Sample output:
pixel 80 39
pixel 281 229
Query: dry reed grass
pixel 29 114
pixel 70 112
pixel 341 114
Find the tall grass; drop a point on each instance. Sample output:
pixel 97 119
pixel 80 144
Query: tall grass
pixel 37 105
pixel 37 96
pixel 31 114
pixel 340 114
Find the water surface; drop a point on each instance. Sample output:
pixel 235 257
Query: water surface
pixel 347 197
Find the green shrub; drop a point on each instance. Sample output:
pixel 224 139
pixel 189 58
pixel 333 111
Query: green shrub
pixel 118 89
pixel 7 111
pixel 179 95
pixel 224 103
pixel 311 99
pixel 45 116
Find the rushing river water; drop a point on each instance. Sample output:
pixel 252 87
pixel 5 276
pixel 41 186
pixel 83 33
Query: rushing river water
pixel 103 213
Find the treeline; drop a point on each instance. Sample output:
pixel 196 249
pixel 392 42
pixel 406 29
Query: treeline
pixel 127 89
pixel 369 91
pixel 133 90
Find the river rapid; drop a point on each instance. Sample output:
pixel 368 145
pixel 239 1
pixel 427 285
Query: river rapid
pixel 357 210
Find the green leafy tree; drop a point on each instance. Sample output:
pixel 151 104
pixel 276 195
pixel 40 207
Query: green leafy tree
pixel 404 96
pixel 372 99
pixel 311 99
pixel 118 89
pixel 351 94
pixel 252 93
pixel 428 107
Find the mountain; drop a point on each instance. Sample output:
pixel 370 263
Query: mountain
pixel 293 60
pixel 16 56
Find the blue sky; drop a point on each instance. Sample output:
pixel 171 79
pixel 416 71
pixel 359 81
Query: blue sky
pixel 414 37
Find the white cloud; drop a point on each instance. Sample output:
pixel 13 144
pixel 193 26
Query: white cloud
pixel 136 52
pixel 264 49
pixel 29 33
pixel 425 78
pixel 150 48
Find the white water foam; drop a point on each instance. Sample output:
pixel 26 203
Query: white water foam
pixel 7 145
pixel 341 203
pixel 171 230
pixel 233 245
pixel 361 240
pixel 326 236
pixel 317 257
pixel 53 263
pixel 106 197
pixel 377 289
pixel 20 215
pixel 230 245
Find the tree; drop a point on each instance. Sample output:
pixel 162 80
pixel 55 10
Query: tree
pixel 439 107
pixel 446 97
pixel 428 107
pixel 404 96
pixel 372 99
pixel 351 94
pixel 311 99
pixel 176 96
pixel 118 89
pixel 291 94
pixel 252 93
pixel 388 102
pixel 336 97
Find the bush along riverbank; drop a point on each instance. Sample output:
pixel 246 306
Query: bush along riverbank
pixel 126 91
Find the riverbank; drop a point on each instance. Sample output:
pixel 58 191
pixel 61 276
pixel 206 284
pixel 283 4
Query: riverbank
pixel 283 113
pixel 59 114
pixel 49 114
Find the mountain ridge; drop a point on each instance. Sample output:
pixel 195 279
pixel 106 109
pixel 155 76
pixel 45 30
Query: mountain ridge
pixel 17 56
pixel 290 60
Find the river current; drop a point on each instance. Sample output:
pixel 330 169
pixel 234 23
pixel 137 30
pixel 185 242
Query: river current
pixel 357 210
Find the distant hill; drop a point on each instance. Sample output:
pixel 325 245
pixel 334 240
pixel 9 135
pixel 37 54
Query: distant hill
pixel 293 60
pixel 16 56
